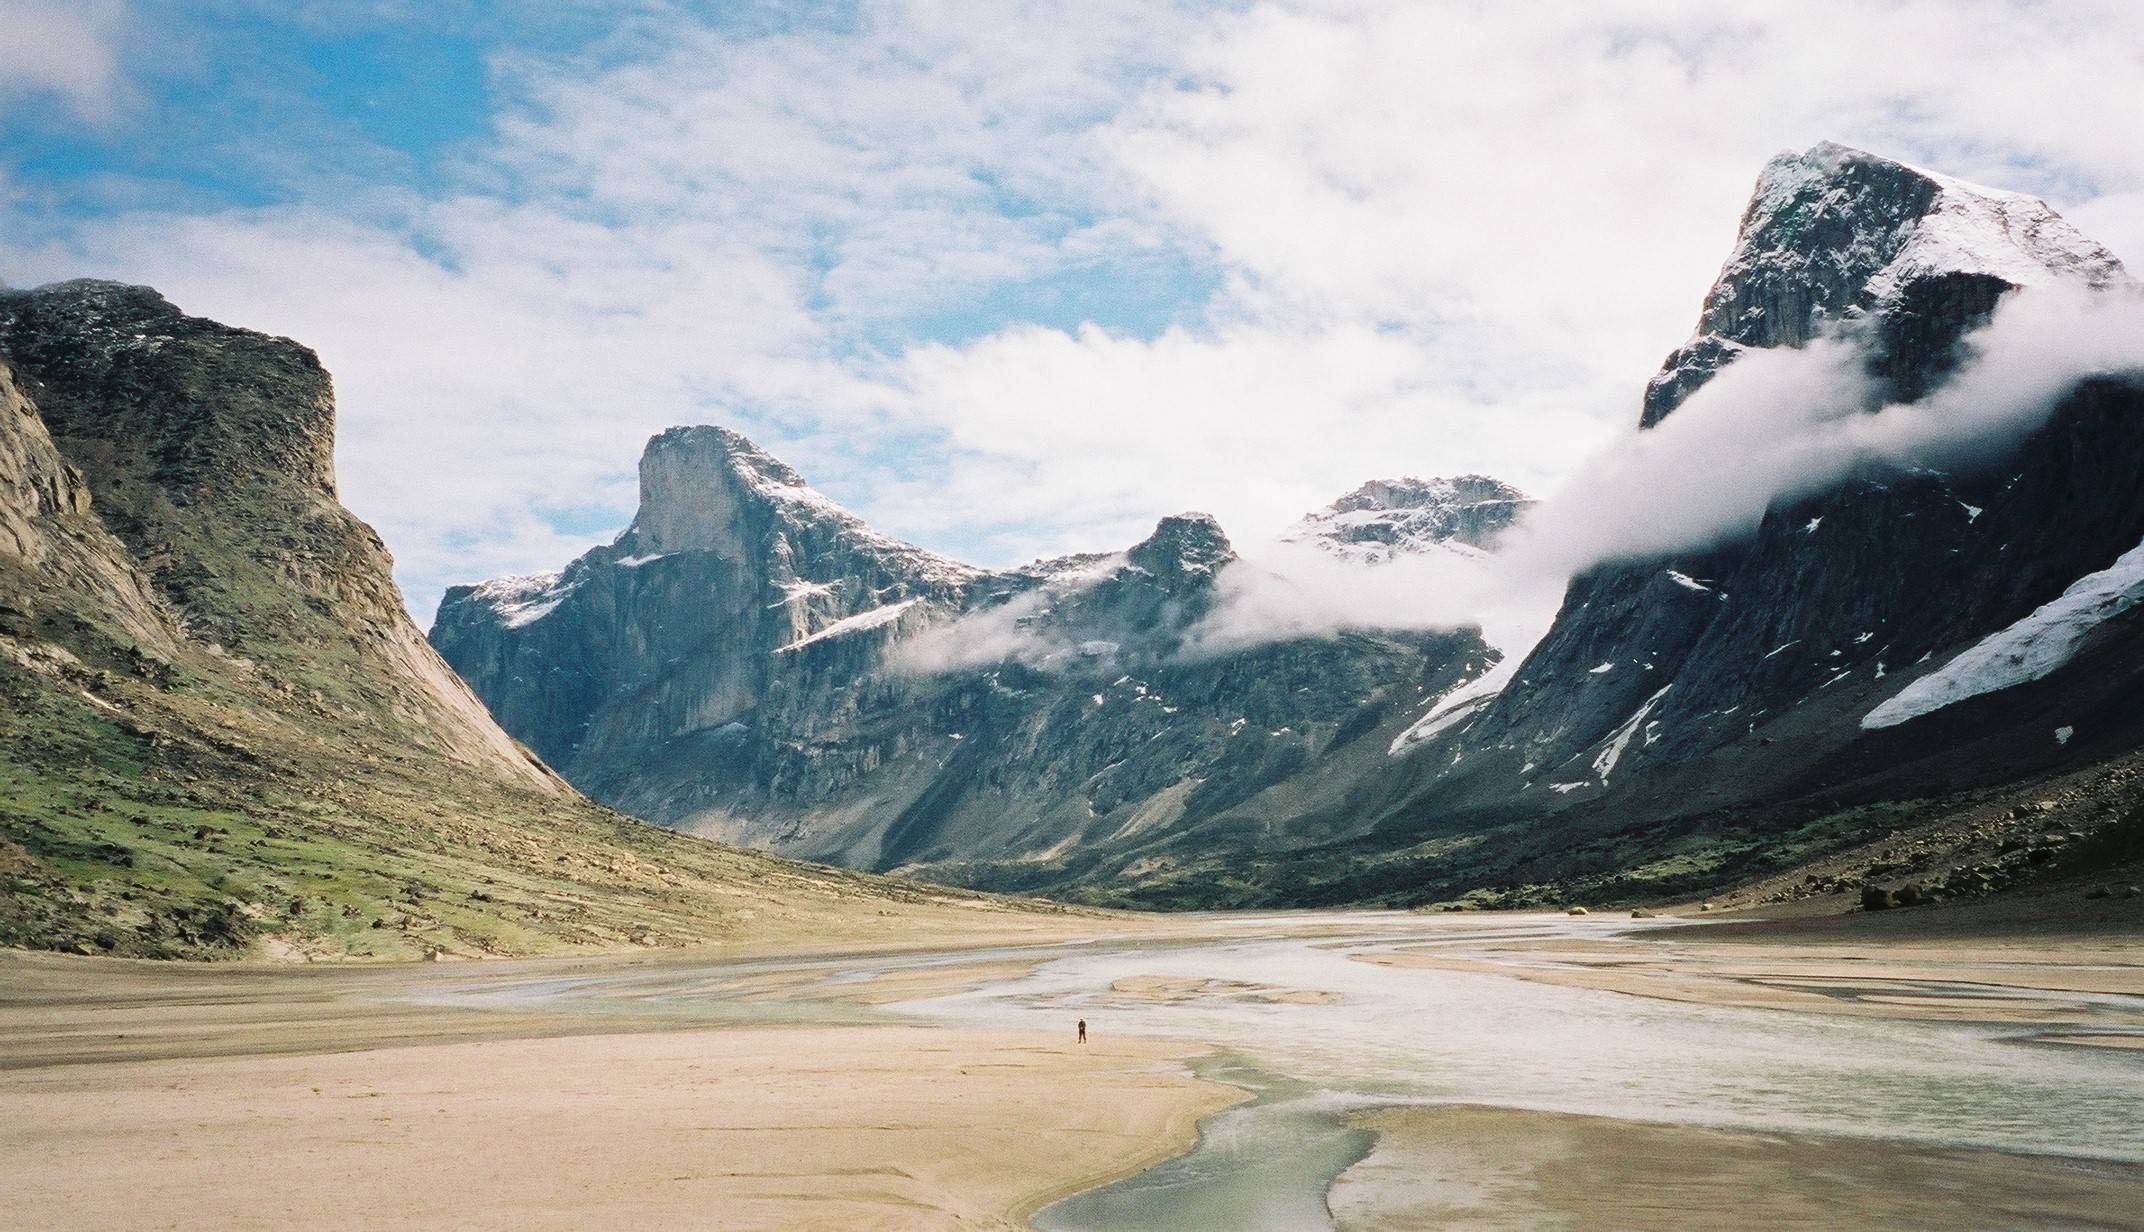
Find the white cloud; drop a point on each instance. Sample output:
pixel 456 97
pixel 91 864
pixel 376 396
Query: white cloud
pixel 1783 423
pixel 1449 237
pixel 64 50
pixel 1461 236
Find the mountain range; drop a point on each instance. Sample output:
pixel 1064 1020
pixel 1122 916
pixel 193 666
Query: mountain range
pixel 1910 680
pixel 750 661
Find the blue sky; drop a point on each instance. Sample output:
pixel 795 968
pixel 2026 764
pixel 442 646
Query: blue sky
pixel 1010 279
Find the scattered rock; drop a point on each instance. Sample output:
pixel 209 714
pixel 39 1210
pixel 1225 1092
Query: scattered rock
pixel 1875 898
pixel 1577 911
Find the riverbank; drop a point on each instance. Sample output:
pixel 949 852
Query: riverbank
pixel 141 1094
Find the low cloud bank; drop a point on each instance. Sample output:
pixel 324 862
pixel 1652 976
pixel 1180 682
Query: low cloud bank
pixel 1781 424
pixel 1775 425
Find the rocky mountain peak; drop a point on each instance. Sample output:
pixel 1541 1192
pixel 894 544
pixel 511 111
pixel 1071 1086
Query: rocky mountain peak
pixel 1184 546
pixel 1834 230
pixel 697 482
pixel 1390 517
pixel 206 409
pixel 710 489
pixel 1835 236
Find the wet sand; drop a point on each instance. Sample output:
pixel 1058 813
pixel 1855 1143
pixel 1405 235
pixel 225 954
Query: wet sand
pixel 137 1094
pixel 1482 1168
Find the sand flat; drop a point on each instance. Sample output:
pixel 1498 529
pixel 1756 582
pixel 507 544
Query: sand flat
pixel 744 1127
pixel 1484 1168
pixel 1990 978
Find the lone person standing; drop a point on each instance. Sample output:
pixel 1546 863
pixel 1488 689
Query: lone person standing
pixel 1082 1030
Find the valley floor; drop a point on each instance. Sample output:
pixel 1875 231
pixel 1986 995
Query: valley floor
pixel 943 1088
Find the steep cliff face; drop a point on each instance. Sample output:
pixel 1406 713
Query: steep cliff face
pixel 212 450
pixel 735 585
pixel 749 660
pixel 219 728
pixel 1838 240
pixel 54 553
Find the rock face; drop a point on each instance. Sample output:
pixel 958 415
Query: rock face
pixel 218 725
pixel 212 451
pixel 1837 239
pixel 749 660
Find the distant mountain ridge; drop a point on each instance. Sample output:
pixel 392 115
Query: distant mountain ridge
pixel 749 660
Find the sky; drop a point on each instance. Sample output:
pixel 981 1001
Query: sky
pixel 1009 279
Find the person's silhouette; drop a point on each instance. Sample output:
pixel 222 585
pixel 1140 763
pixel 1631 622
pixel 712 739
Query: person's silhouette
pixel 1082 1030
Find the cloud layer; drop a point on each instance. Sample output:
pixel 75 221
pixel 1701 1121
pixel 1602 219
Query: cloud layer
pixel 1019 279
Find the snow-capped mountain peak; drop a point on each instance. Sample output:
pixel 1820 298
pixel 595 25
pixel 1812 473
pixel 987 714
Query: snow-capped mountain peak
pixel 1834 235
pixel 1385 518
pixel 1853 230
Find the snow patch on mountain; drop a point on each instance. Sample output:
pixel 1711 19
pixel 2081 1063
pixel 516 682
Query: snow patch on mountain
pixel 1458 706
pixel 1965 228
pixel 875 618
pixel 2026 651
pixel 1619 739
pixel 524 599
